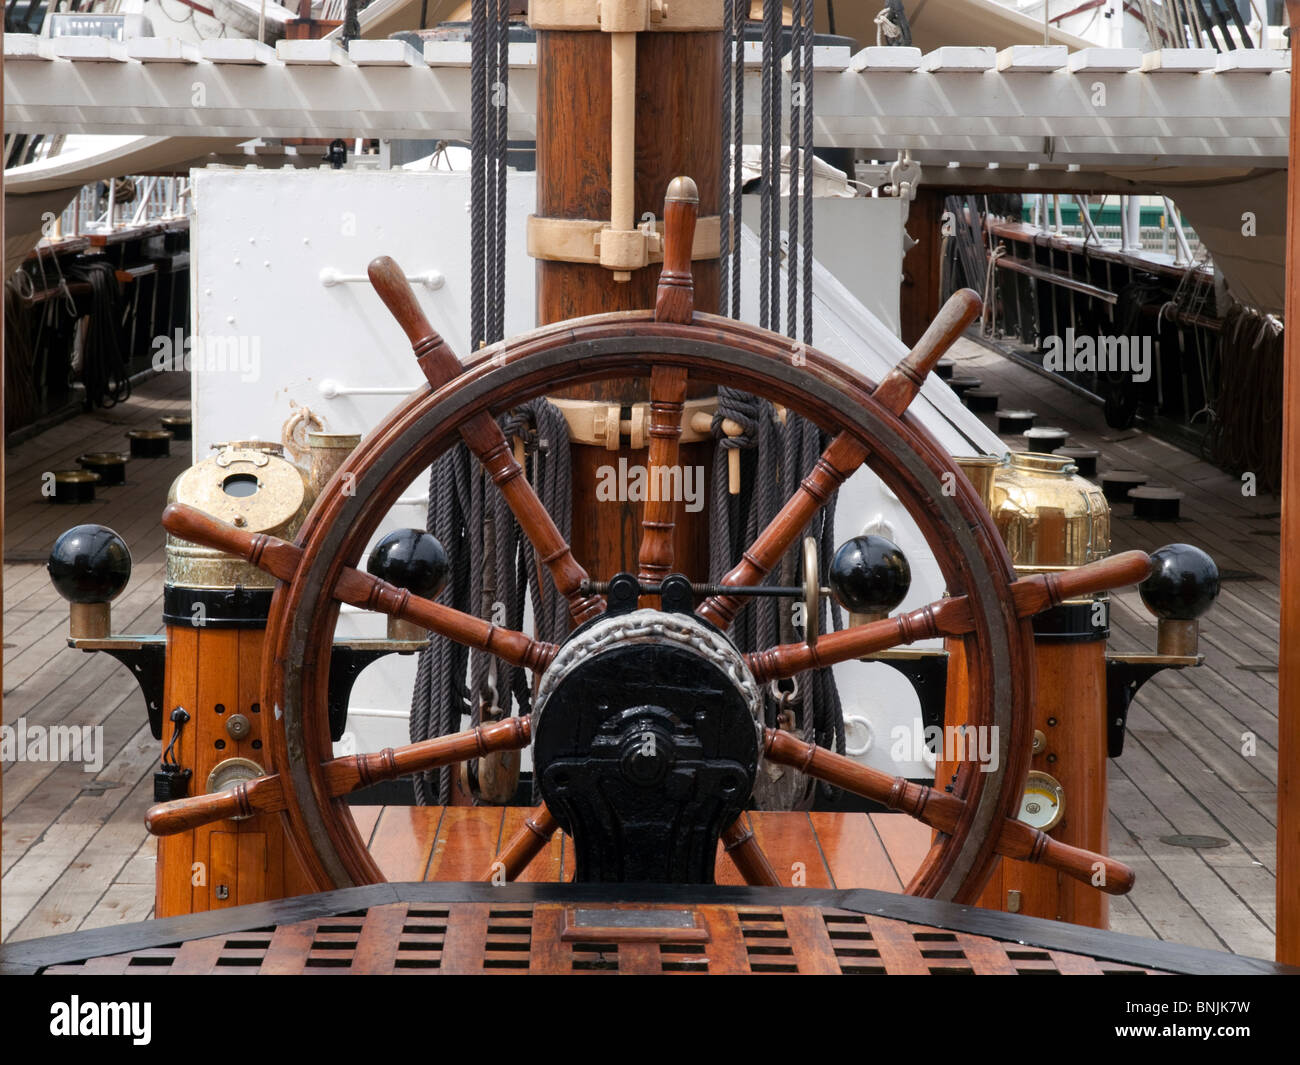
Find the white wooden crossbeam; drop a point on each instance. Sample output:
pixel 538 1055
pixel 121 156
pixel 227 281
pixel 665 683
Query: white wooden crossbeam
pixel 1031 104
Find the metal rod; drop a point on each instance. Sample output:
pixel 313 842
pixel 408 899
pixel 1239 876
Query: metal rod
pixel 1051 276
pixel 764 590
pixel 1085 219
pixel 1184 249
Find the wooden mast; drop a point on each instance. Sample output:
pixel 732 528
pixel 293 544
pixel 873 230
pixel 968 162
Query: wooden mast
pixel 1288 700
pixel 672 101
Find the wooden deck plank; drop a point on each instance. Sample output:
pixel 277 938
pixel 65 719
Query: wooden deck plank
pixel 468 836
pixel 70 901
pixel 898 950
pixel 403 841
pixel 43 865
pixel 854 852
pixel 907 842
pixel 727 940
pixel 366 817
pixel 290 945
pixel 788 840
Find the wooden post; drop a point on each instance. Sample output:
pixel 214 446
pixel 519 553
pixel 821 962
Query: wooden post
pixel 919 298
pixel 677 132
pixel 1288 696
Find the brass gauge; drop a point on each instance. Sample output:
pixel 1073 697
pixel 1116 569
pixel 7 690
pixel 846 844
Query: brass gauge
pixel 1043 804
pixel 228 775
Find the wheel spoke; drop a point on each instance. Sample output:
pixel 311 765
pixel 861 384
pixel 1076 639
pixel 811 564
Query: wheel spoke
pixel 947 617
pixel 359 589
pixel 904 381
pixel 264 795
pixel 488 444
pixel 675 298
pixel 523 846
pixel 943 812
pixel 840 459
pixel 659 511
pixel 748 856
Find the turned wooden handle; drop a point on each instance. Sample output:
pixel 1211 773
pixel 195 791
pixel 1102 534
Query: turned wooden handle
pixel 1019 840
pixel 347 774
pixel 361 589
pixel 947 617
pixel 747 856
pixel 437 361
pixel 942 811
pixel 264 795
pixel 258 796
pixel 902 383
pixel 390 283
pixel 1117 571
pixel 524 845
pixel 675 299
pixel 266 552
pixel 484 438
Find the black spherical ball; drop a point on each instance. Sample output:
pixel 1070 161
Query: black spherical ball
pixel 412 559
pixel 869 574
pixel 89 564
pixel 1184 582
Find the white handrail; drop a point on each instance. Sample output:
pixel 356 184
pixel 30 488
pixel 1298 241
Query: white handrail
pixel 331 389
pixel 431 279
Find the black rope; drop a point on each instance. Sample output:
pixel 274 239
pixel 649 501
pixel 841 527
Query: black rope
pixel 22 396
pixel 478 152
pixel 738 147
pixel 728 158
pixel 501 113
pixel 796 192
pixel 769 295
pixel 806 114
pixel 104 372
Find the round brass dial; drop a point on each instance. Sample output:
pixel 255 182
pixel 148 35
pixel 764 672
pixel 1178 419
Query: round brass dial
pixel 1043 804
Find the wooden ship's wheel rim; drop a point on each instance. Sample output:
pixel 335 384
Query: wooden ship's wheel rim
pixel 717 350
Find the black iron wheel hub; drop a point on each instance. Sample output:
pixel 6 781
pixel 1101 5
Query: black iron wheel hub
pixel 646 741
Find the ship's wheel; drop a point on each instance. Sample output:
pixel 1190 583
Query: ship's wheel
pixel 705 760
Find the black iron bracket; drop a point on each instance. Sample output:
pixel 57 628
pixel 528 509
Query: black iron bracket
pixel 928 673
pixel 146 659
pixel 347 660
pixel 1125 674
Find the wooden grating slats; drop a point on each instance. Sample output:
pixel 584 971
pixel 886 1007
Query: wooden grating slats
pixel 898 951
pixel 198 956
pixel 287 952
pixel 379 940
pixel 726 949
pixel 808 938
pixel 478 937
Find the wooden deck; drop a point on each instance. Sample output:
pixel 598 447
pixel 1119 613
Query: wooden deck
pixel 813 850
pixel 75 854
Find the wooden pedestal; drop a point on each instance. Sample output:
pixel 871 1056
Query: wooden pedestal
pixel 215 674
pixel 1071 715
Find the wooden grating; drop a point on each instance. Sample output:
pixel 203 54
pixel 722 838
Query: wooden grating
pixel 476 937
